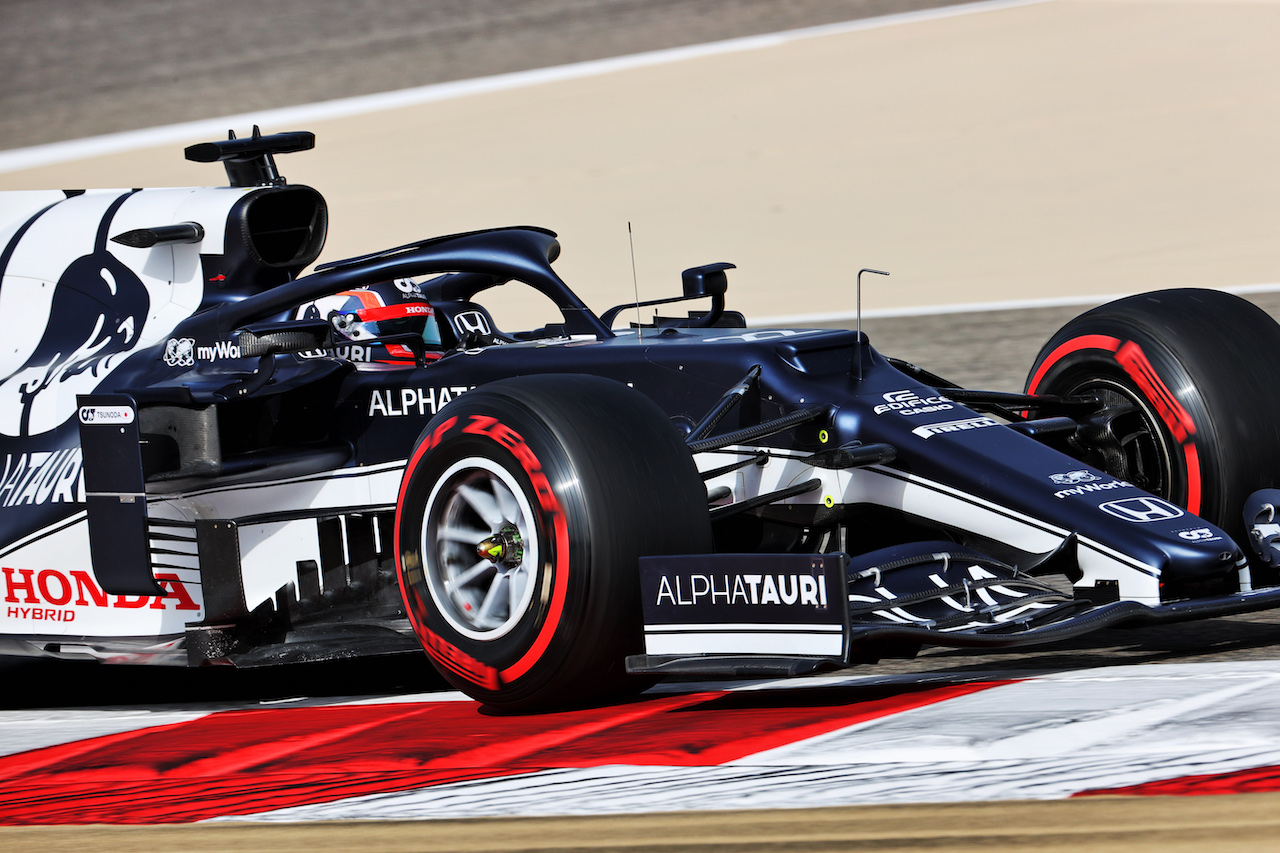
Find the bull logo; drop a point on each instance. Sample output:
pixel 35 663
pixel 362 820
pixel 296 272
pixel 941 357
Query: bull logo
pixel 95 318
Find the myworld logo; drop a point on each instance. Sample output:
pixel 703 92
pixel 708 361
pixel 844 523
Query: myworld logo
pixel 1089 488
pixel 220 350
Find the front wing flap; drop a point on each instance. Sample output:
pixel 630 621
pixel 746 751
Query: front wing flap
pixel 774 615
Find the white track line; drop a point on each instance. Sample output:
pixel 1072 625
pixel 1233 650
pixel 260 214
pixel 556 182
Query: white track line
pixel 58 152
pixel 972 307
pixel 76 149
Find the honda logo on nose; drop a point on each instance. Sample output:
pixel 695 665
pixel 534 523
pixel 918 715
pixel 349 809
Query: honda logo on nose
pixel 1141 510
pixel 473 322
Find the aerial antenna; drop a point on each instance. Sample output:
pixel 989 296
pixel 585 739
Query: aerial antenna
pixel 635 282
pixel 860 347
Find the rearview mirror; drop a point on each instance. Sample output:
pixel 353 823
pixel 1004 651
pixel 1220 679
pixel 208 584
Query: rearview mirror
pixel 708 280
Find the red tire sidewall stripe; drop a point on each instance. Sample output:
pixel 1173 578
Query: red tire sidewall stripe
pixel 420 451
pixel 1175 417
pixel 1192 457
pixel 1134 362
pixel 553 515
pixel 1102 342
pixel 560 591
pixel 439 649
pixel 1140 370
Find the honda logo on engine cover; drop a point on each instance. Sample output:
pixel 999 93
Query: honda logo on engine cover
pixel 1141 510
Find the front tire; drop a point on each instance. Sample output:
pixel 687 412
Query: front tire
pixel 1199 370
pixel 522 515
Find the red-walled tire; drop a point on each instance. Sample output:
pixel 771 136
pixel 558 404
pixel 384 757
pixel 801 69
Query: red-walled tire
pixel 563 482
pixel 1201 369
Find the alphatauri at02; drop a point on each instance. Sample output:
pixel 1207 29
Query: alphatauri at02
pixel 208 457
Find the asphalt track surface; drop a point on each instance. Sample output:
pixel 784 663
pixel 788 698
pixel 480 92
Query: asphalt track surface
pixel 1026 151
pixel 74 69
pixel 83 68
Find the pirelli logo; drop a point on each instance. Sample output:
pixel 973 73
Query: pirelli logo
pixel 954 426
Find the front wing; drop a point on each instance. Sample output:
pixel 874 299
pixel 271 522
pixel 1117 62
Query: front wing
pixel 750 615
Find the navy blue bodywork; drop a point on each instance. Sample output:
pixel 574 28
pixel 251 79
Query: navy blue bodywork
pixel 894 456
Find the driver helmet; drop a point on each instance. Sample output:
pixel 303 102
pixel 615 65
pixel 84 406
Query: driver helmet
pixel 368 315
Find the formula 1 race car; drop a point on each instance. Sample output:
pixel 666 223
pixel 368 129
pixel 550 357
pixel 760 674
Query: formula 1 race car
pixel 210 458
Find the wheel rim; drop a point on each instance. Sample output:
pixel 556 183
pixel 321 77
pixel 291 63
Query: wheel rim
pixel 481 546
pixel 1148 461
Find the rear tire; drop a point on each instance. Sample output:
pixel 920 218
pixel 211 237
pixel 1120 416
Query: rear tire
pixel 563 482
pixel 1200 368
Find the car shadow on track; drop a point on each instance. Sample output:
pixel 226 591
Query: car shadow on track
pixel 40 683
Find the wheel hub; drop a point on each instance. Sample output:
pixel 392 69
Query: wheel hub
pixel 505 548
pixel 481 546
pixel 1127 436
